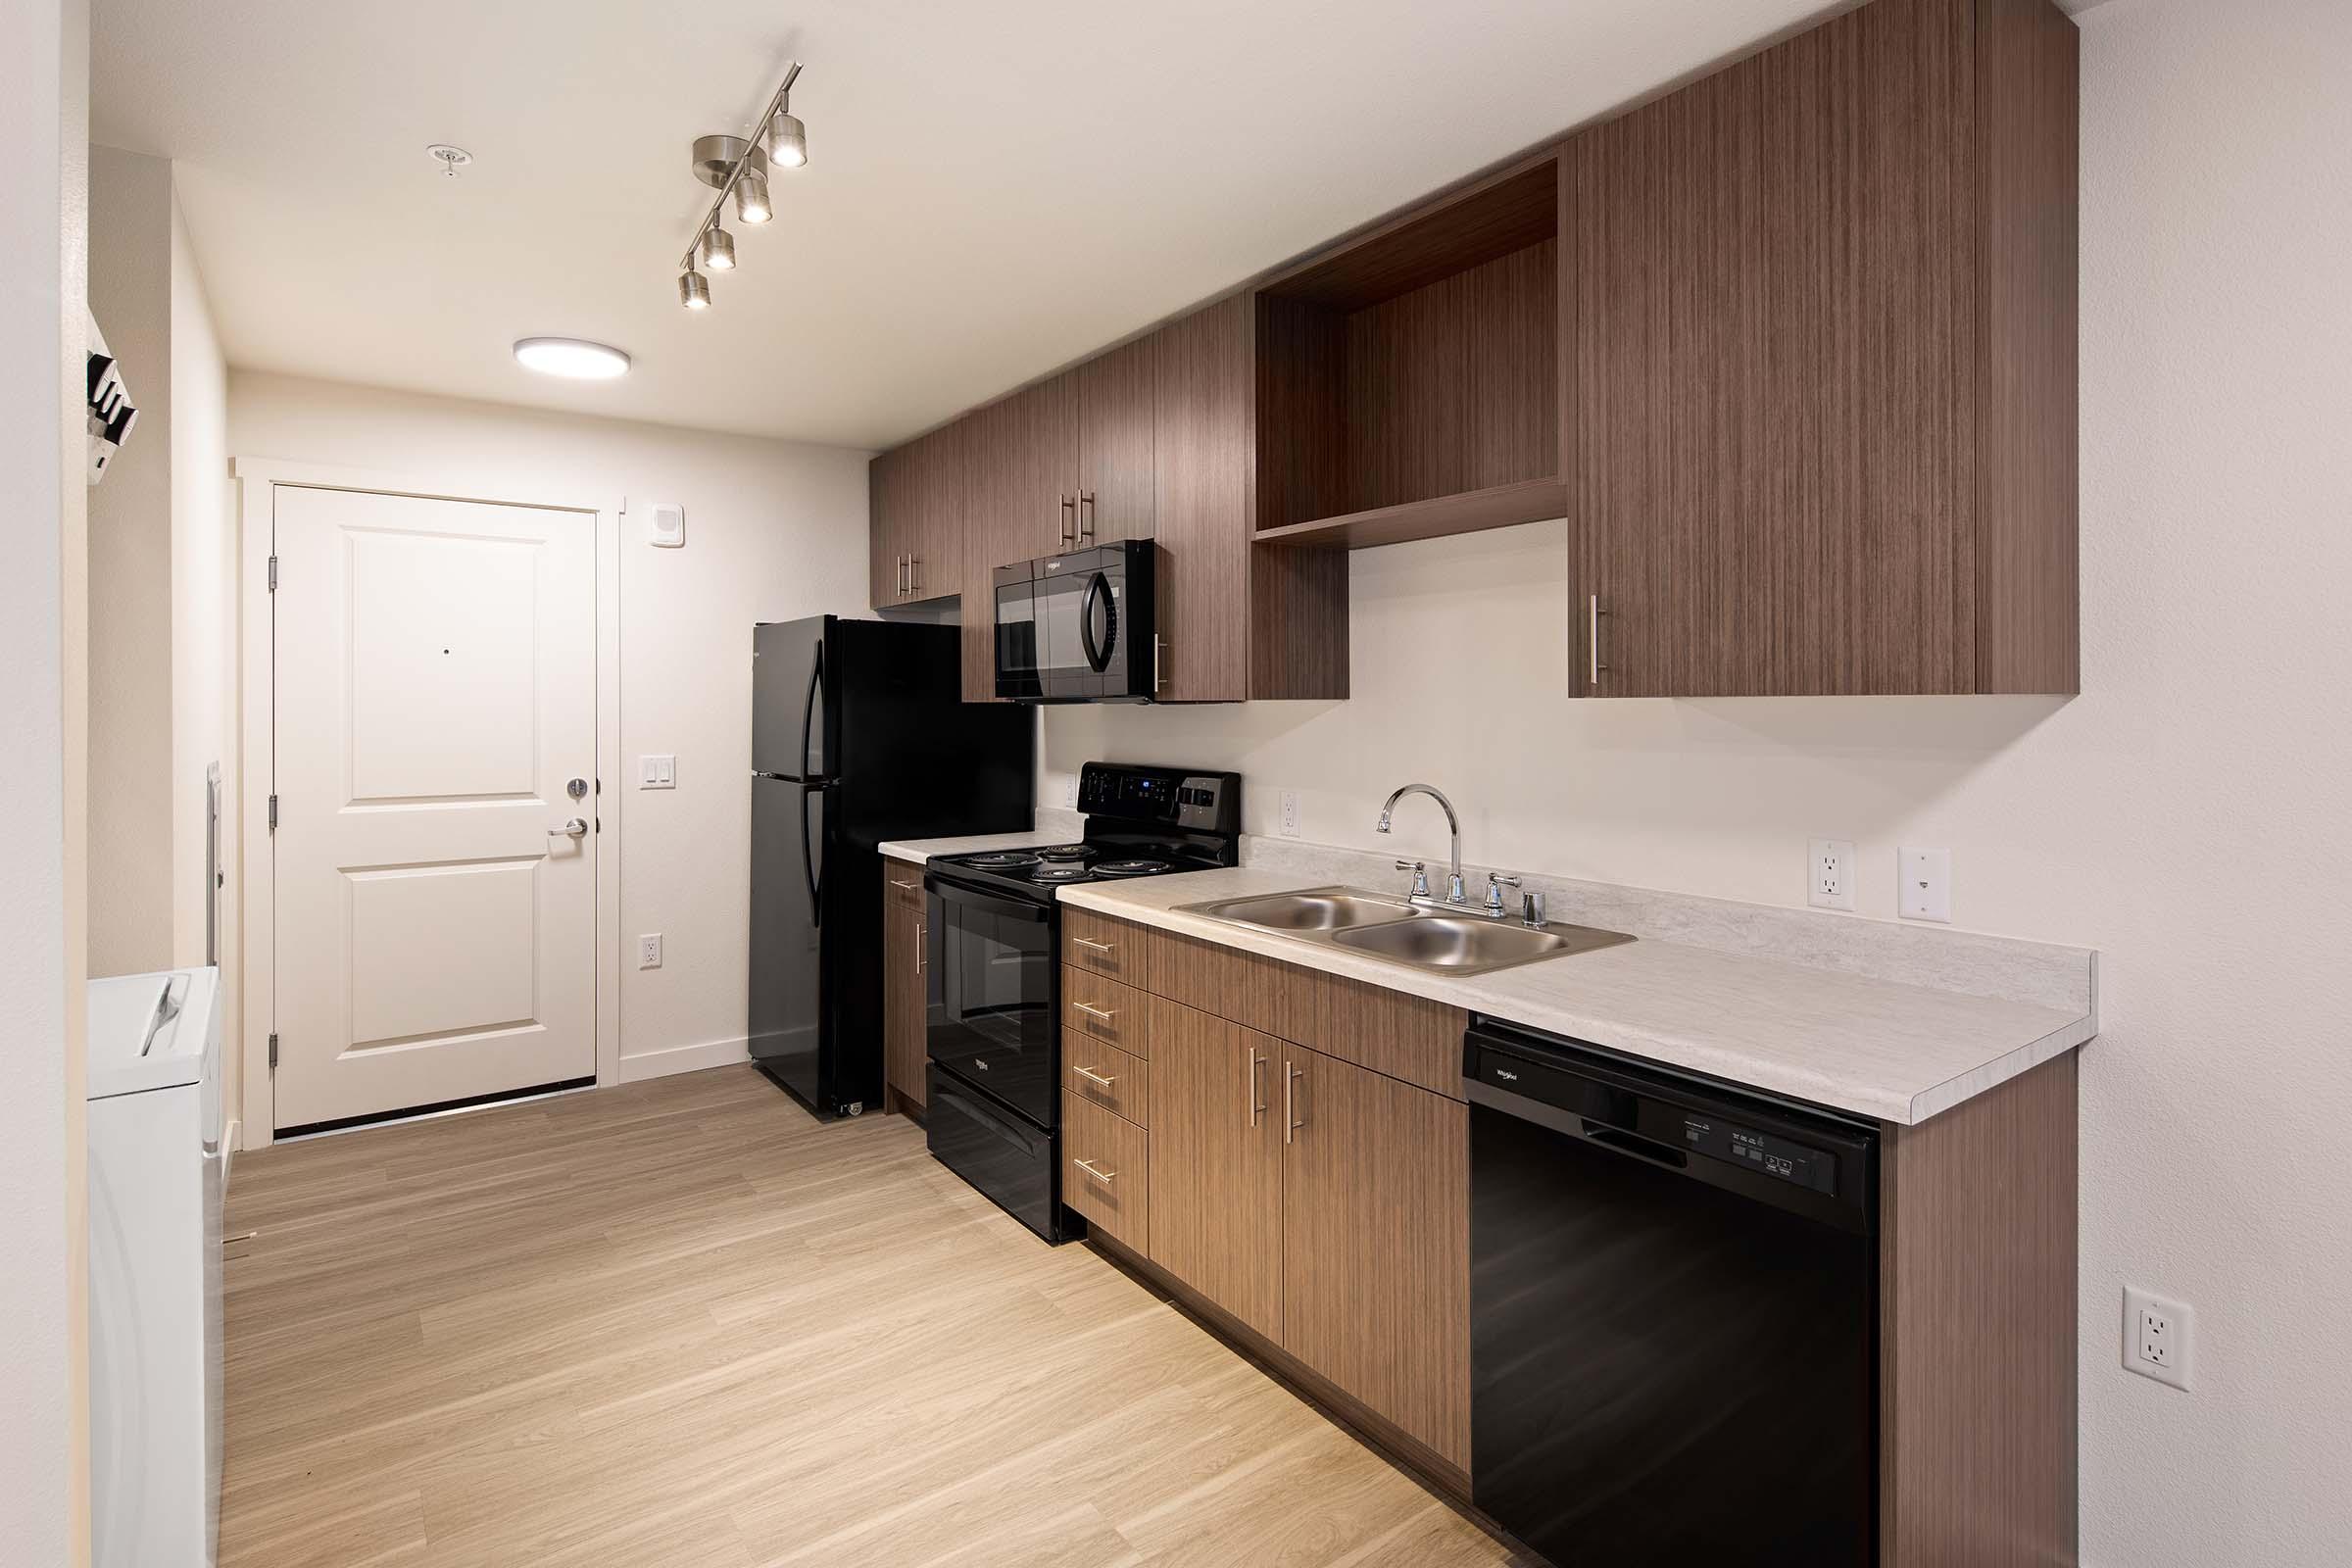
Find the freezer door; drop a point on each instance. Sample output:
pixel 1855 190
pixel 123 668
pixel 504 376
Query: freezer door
pixel 786 1002
pixel 791 709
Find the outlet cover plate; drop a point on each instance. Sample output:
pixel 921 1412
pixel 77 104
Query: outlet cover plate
pixel 1830 873
pixel 1289 813
pixel 2159 1336
pixel 1926 889
pixel 648 950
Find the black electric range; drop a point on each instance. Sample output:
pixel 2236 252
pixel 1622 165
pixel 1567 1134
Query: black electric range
pixel 993 972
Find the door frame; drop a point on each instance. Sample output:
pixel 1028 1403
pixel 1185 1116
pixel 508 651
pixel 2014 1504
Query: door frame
pixel 251 909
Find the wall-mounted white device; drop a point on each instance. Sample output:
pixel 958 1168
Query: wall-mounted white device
pixel 666 527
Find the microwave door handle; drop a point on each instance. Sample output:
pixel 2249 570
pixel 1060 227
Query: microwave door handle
pixel 1097 586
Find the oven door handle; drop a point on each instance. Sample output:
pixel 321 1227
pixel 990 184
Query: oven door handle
pixel 1098 656
pixel 954 894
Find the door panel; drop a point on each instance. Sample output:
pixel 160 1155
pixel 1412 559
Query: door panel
pixel 1115 416
pixel 1376 1243
pixel 1216 1160
pixel 435 668
pixel 1202 457
pixel 787 979
pixel 902 979
pixel 1023 463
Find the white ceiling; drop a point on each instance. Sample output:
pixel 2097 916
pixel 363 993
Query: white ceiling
pixel 993 190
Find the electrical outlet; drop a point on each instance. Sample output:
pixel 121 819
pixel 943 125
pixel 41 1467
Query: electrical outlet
pixel 2159 1336
pixel 657 772
pixel 1925 892
pixel 1830 873
pixel 1069 793
pixel 1289 813
pixel 648 950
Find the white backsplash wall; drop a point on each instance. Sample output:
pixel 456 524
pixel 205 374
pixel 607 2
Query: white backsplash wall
pixel 2187 815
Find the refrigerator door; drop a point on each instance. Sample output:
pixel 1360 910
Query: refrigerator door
pixel 787 989
pixel 795 680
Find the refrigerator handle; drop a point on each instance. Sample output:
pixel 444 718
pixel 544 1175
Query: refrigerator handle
pixel 816 681
pixel 816 903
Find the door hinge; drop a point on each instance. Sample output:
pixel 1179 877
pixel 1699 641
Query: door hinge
pixel 274 575
pixel 273 1051
pixel 273 813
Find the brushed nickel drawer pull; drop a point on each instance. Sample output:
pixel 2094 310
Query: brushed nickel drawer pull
pixel 1093 1077
pixel 910 887
pixel 1091 1011
pixel 1593 641
pixel 921 933
pixel 1098 947
pixel 1250 1084
pixel 1106 1177
pixel 1289 1115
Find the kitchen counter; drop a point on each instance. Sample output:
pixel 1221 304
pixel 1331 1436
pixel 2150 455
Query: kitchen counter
pixel 917 851
pixel 1896 1052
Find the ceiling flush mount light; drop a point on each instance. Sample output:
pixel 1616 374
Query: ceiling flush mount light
pixel 739 169
pixel 573 358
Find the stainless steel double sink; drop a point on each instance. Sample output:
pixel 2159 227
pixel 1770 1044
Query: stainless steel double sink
pixel 1419 936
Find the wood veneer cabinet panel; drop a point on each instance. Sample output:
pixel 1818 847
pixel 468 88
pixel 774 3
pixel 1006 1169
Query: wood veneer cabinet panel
pixel 1108 1178
pixel 1978 1460
pixel 1402 1036
pixel 891 508
pixel 1098 1008
pixel 903 1054
pixel 1117 412
pixel 1256 992
pixel 1106 1076
pixel 1114 949
pixel 1376 1243
pixel 1216 1161
pixel 934 542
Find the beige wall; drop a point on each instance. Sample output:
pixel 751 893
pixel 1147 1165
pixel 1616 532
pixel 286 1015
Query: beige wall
pixel 774 530
pixel 204 547
pixel 2188 815
pixel 44 216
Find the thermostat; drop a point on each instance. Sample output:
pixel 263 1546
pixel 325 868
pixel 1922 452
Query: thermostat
pixel 669 527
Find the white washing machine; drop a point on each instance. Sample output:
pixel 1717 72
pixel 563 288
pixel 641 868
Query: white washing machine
pixel 159 1168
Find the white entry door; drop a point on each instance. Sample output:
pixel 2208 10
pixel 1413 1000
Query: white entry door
pixel 435 738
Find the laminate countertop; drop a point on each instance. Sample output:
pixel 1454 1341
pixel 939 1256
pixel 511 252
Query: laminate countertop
pixel 915 851
pixel 1895 1051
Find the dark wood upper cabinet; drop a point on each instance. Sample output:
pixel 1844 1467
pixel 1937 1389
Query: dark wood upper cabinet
pixel 1116 441
pixel 916 508
pixel 891 521
pixel 1820 401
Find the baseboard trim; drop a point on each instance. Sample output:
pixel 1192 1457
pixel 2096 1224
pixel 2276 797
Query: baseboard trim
pixel 630 1069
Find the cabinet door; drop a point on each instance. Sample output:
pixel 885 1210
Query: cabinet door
pixel 1021 461
pixel 891 503
pixel 1216 1161
pixel 934 538
pixel 902 1055
pixel 1376 1243
pixel 1115 440
pixel 1204 457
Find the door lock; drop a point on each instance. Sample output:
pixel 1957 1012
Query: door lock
pixel 577 789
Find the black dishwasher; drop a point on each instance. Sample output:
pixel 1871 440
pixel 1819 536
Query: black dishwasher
pixel 1673 1312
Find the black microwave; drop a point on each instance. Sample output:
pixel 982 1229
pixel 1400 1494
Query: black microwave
pixel 1078 628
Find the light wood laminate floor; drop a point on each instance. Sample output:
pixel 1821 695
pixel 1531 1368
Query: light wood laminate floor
pixel 680 1322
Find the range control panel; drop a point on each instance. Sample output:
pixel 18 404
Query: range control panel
pixel 1762 1151
pixel 1210 801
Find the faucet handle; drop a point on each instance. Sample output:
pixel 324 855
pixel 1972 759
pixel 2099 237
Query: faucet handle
pixel 1420 871
pixel 1495 883
pixel 1530 909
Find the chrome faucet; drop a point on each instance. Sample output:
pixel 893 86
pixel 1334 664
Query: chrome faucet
pixel 1455 892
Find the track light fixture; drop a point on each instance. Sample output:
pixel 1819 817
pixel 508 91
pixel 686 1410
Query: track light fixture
pixel 739 169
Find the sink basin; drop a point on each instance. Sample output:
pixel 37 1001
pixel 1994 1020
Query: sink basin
pixel 1460 946
pixel 1315 909
pixel 1395 931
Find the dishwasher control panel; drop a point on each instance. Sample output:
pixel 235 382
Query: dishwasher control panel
pixel 1815 1168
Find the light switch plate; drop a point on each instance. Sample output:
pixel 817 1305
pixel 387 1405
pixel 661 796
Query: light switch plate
pixel 1926 890
pixel 657 772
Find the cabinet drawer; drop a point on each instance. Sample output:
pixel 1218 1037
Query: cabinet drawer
pixel 1255 992
pixel 902 883
pixel 1107 1176
pixel 1101 945
pixel 1106 1076
pixel 1103 1010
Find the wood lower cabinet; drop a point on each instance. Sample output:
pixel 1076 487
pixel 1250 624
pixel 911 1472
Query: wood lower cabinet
pixel 1107 1176
pixel 1217 1157
pixel 905 961
pixel 1376 1243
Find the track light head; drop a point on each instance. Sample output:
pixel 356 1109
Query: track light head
pixel 694 290
pixel 718 250
pixel 787 141
pixel 751 198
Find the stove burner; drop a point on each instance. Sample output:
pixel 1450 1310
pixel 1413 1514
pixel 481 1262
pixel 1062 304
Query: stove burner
pixel 1060 873
pixel 1068 852
pixel 1000 861
pixel 1131 867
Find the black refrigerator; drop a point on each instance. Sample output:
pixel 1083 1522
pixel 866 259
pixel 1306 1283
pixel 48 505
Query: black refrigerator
pixel 859 733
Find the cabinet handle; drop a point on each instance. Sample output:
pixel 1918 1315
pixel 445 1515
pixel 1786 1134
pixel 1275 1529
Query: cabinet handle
pixel 1098 947
pixel 1250 1086
pixel 1091 1011
pixel 1289 1086
pixel 1593 639
pixel 1106 1177
pixel 920 932
pixel 907 885
pixel 1065 523
pixel 1156 682
pixel 1093 1077
pixel 1086 515
pixel 915 574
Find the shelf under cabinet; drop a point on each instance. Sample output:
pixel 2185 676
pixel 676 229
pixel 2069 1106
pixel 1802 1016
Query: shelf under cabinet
pixel 1471 510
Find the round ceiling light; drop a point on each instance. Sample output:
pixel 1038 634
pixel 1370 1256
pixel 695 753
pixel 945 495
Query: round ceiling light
pixel 573 358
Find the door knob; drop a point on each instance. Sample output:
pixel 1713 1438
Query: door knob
pixel 576 828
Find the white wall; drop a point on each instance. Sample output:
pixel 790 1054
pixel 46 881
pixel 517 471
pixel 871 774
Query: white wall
pixel 204 547
pixel 2188 815
pixel 774 531
pixel 44 216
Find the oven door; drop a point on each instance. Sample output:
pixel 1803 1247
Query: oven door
pixel 992 994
